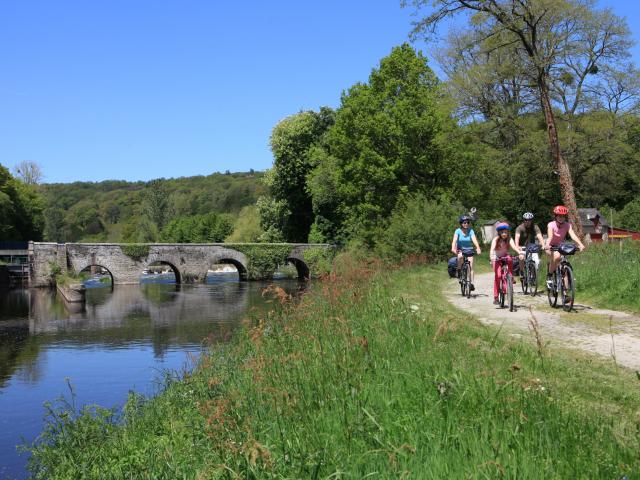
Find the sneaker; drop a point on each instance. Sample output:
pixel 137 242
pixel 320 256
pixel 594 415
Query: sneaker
pixel 549 284
pixel 496 302
pixel 471 287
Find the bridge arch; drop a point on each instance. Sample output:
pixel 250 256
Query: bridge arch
pixel 160 261
pixel 301 267
pixel 93 264
pixel 240 266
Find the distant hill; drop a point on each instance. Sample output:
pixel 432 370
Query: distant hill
pixel 115 210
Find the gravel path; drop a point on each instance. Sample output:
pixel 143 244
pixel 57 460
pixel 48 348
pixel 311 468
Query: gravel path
pixel 609 333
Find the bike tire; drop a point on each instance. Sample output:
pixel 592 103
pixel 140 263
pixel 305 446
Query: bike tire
pixel 462 274
pixel 552 293
pixel 502 290
pixel 468 282
pixel 532 279
pixel 510 291
pixel 524 279
pixel 568 289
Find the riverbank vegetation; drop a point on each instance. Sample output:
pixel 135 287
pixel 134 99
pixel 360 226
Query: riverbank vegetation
pixel 371 373
pixel 609 274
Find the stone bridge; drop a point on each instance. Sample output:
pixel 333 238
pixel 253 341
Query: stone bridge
pixel 189 261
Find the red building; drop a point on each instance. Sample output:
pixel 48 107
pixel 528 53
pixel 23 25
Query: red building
pixel 616 233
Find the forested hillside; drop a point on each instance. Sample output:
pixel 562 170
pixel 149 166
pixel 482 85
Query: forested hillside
pixel 159 210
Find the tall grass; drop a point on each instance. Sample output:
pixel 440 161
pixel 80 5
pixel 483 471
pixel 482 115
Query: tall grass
pixel 372 375
pixel 610 274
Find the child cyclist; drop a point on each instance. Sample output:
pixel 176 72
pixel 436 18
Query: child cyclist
pixel 557 232
pixel 500 248
pixel 464 237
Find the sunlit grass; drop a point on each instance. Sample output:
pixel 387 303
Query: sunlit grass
pixel 374 375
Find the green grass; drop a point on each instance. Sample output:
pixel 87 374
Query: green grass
pixel 609 274
pixel 372 375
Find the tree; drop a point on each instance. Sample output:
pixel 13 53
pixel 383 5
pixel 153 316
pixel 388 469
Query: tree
pixel 29 172
pixel 21 208
pixel 549 36
pixel 385 142
pixel 156 202
pixel 291 141
pixel 247 226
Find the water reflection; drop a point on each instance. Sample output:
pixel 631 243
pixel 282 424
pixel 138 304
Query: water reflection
pixel 121 339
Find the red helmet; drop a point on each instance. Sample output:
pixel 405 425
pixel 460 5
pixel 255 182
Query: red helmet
pixel 560 210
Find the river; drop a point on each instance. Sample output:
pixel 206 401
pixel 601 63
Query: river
pixel 125 338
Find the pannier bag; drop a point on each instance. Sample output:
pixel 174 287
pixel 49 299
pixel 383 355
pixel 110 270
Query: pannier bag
pixel 452 265
pixel 567 248
pixel 533 248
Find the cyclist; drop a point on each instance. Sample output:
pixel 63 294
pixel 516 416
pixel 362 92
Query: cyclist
pixel 528 232
pixel 465 237
pixel 500 248
pixel 557 232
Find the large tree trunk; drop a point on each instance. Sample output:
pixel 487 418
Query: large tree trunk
pixel 564 173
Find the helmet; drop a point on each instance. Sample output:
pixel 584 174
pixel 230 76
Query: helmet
pixel 560 210
pixel 528 216
pixel 502 226
pixel 464 218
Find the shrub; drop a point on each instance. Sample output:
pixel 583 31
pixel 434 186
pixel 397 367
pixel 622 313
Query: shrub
pixel 420 226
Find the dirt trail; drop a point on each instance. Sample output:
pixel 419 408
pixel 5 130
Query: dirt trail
pixel 608 333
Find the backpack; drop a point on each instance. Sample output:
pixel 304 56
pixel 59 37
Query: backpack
pixel 452 266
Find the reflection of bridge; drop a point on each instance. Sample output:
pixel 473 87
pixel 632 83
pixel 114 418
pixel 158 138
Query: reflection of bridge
pixel 189 261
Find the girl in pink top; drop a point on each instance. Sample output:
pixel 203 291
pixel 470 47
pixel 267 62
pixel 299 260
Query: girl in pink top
pixel 500 248
pixel 557 232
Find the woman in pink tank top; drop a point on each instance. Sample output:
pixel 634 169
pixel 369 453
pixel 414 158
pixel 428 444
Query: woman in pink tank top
pixel 557 232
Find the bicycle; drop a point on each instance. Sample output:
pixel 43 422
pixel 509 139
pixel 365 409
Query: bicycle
pixel 528 271
pixel 505 287
pixel 563 282
pixel 464 274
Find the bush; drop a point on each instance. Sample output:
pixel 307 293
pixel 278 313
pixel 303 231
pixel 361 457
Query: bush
pixel 420 226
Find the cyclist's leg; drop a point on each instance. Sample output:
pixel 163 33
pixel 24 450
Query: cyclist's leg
pixel 510 265
pixel 460 260
pixel 536 260
pixel 554 258
pixel 497 276
pixel 471 268
pixel 521 258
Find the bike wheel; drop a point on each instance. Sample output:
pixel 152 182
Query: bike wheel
pixel 502 290
pixel 468 282
pixel 510 291
pixel 568 289
pixel 532 279
pixel 552 293
pixel 524 279
pixel 462 274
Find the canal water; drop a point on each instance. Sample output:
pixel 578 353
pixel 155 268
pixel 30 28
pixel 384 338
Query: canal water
pixel 125 338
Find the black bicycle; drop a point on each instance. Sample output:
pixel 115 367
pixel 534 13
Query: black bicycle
pixel 528 271
pixel 464 274
pixel 562 279
pixel 505 287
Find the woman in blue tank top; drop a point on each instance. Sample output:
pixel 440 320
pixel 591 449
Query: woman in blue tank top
pixel 465 237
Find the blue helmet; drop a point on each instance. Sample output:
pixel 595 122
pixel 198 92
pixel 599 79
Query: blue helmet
pixel 464 218
pixel 502 226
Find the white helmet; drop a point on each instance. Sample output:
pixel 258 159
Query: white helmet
pixel 528 216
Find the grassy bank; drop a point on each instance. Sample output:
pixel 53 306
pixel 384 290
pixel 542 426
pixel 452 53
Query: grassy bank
pixel 610 275
pixel 373 374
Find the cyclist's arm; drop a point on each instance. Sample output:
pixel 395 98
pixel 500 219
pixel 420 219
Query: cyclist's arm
pixel 539 235
pixel 454 244
pixel 492 250
pixel 515 247
pixel 547 245
pixel 517 236
pixel 575 237
pixel 475 242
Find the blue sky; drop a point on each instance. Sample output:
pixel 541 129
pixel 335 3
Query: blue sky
pixel 137 90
